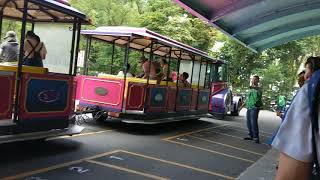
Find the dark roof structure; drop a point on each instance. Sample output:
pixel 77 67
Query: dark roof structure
pixel 141 39
pixel 42 11
pixel 259 24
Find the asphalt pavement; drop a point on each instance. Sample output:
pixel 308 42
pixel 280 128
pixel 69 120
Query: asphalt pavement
pixel 195 149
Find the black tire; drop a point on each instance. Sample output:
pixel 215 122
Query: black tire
pixel 100 116
pixel 218 116
pixel 236 110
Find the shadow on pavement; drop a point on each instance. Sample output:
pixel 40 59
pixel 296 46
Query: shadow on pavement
pixel 158 129
pixel 38 148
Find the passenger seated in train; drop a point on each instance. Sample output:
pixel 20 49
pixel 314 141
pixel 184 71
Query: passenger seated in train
pixel 9 49
pixel 183 80
pixel 166 74
pixel 34 50
pixel 147 70
pixel 121 73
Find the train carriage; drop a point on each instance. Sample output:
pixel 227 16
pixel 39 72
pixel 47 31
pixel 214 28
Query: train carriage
pixel 35 102
pixel 146 101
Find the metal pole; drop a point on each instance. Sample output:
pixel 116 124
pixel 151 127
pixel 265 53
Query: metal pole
pixel 32 26
pixel 177 82
pixel 89 52
pixel 112 58
pixel 191 80
pixel 169 66
pixel 126 57
pixel 209 75
pixel 179 61
pixel 72 45
pixel 210 84
pixel 21 56
pixel 77 49
pixel 1 20
pixel 148 78
pixel 199 83
pixel 205 77
pixel 86 53
pixel 150 62
pixel 193 58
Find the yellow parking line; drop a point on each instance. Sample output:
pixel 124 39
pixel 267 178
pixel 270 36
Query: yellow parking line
pixel 246 130
pixel 82 134
pixel 211 151
pixel 126 170
pixel 232 136
pixel 227 145
pixel 26 174
pixel 179 165
pixel 192 132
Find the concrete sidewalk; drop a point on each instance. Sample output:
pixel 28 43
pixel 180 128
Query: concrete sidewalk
pixel 263 169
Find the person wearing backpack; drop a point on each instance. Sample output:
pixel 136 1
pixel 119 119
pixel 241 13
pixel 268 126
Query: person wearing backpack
pixel 253 104
pixel 298 138
pixel 34 50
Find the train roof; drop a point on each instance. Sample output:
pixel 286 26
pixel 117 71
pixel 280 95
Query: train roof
pixel 141 39
pixel 259 24
pixel 42 11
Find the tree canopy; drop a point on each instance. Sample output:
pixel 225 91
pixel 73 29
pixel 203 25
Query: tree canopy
pixel 278 66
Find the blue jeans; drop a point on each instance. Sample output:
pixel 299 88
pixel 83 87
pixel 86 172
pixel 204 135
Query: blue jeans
pixel 252 122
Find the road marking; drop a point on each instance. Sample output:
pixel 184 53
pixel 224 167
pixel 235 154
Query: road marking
pixel 241 131
pixel 212 151
pixel 126 170
pixel 234 147
pixel 232 136
pixel 179 165
pixel 192 132
pixel 26 174
pixel 82 134
pixel 246 130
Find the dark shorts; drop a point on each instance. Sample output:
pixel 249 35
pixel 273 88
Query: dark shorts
pixel 37 62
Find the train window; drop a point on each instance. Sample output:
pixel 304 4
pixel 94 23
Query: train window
pixel 219 73
pixel 58 57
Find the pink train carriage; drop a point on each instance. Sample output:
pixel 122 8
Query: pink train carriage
pixel 146 101
pixel 35 103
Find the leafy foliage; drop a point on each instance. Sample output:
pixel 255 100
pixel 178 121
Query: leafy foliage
pixel 278 66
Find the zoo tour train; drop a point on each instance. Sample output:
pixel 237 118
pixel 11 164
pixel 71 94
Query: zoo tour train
pixel 39 103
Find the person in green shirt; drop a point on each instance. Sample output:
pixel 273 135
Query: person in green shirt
pixel 253 104
pixel 281 104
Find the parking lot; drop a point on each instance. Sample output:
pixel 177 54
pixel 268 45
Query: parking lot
pixel 196 149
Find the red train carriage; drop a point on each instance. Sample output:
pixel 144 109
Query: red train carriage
pixel 37 103
pixel 137 100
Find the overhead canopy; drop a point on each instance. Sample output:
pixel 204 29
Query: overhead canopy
pixel 142 38
pixel 259 24
pixel 41 11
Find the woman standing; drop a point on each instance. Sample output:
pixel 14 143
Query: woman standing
pixel 34 50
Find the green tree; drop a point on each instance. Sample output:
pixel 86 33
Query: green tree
pixel 111 12
pixel 166 18
pixel 241 62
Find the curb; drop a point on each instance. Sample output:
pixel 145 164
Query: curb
pixel 263 169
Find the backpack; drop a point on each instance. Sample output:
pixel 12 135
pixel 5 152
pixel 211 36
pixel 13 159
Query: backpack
pixel 36 60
